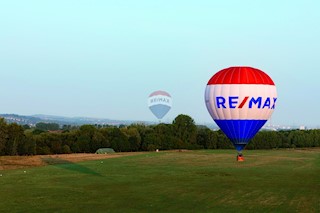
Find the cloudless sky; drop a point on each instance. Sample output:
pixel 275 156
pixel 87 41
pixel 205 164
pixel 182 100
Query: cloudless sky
pixel 103 58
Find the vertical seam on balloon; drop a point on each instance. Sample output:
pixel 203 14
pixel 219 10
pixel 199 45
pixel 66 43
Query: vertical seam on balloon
pixel 266 78
pixel 224 76
pixel 249 132
pixel 231 76
pixel 274 94
pixel 228 130
pixel 236 137
pixel 255 127
pixel 246 111
pixel 224 117
pixel 230 87
pixel 268 114
pixel 239 81
pixel 214 78
pixel 238 111
pixel 219 80
pixel 255 80
pixel 228 127
pixel 244 131
pixel 264 95
pixel 228 123
pixel 239 69
pixel 266 111
pixel 247 79
pixel 245 134
pixel 234 130
pixel 261 77
pixel 254 76
pixel 256 123
pixel 223 111
pixel 212 93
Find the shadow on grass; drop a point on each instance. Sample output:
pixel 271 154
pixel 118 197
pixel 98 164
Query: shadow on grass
pixel 68 165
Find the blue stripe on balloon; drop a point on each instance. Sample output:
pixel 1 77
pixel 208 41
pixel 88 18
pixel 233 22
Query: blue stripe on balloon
pixel 240 132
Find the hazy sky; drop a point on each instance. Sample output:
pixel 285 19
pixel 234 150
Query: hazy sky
pixel 103 58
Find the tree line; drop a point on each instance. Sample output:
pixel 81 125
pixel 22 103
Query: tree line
pixel 181 134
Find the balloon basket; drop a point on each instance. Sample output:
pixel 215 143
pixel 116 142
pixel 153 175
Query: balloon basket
pixel 240 158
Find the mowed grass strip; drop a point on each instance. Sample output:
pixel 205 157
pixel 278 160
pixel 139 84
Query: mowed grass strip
pixel 188 181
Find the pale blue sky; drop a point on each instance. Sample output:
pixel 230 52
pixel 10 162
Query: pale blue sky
pixel 103 58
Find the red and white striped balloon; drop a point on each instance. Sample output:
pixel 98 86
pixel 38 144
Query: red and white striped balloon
pixel 240 100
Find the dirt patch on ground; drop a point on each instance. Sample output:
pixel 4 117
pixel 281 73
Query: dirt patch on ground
pixel 18 162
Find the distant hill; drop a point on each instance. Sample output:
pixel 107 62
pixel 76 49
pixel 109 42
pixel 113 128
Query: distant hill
pixel 32 120
pixel 21 119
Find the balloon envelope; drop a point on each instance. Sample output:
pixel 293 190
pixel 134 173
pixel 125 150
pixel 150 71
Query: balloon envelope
pixel 159 102
pixel 240 100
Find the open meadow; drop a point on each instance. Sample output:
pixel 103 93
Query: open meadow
pixel 168 181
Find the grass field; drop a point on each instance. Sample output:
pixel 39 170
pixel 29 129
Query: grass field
pixel 189 181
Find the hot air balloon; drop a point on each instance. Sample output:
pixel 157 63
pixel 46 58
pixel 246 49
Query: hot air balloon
pixel 159 102
pixel 240 100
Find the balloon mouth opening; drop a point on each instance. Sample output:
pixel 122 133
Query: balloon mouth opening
pixel 239 147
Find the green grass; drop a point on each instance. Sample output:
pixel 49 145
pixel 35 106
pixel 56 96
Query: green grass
pixel 193 181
